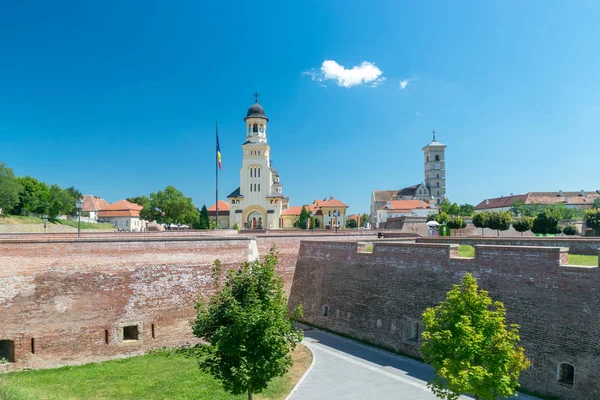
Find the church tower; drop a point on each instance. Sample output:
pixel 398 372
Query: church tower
pixel 435 169
pixel 258 202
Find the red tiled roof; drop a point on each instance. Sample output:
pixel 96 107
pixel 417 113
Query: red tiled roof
pixel 354 217
pixel 94 203
pixel 123 205
pixel 328 203
pixel 292 210
pixel 223 206
pixel 407 205
pixel 570 198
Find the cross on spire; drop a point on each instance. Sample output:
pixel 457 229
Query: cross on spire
pixel 256 96
pixel 433 132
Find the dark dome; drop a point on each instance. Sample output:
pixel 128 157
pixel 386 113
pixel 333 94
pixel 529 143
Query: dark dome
pixel 256 111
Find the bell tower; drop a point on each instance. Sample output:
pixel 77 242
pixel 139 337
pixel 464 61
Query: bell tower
pixel 256 123
pixel 435 169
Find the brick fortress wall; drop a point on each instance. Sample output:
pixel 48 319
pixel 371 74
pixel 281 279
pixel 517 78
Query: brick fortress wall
pixel 379 297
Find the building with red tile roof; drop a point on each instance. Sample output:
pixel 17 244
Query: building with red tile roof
pixel 327 214
pixel 223 213
pixel 580 199
pixel 403 208
pixel 124 215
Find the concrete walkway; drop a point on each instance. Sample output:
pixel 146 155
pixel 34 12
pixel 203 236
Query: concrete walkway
pixel 344 369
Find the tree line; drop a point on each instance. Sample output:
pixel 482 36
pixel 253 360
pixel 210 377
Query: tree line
pixel 25 195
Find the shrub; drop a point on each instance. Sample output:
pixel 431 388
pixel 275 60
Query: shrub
pixel 570 230
pixel 499 220
pixel 546 222
pixel 479 220
pixel 523 225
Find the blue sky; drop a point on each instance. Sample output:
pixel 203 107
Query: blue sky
pixel 120 98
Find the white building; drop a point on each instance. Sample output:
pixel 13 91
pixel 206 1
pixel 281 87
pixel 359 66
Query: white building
pixel 259 200
pixel 125 216
pixel 403 208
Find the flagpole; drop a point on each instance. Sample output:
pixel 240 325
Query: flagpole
pixel 217 173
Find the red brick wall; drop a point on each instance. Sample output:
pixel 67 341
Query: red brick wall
pixel 377 296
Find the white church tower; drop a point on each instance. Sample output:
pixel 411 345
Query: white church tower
pixel 435 169
pixel 258 202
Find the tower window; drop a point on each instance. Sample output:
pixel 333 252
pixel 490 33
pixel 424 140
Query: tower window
pixel 259 172
pixel 259 187
pixel 438 184
pixel 262 128
pixel 437 158
pixel 427 158
pixel 566 374
pixel 255 128
pixel 251 172
pixel 438 175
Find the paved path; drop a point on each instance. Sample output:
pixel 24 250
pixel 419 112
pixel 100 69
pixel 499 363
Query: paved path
pixel 344 369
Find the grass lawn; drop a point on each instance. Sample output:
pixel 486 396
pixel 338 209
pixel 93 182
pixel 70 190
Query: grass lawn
pixel 84 225
pixel 465 250
pixel 21 219
pixel 577 259
pixel 152 376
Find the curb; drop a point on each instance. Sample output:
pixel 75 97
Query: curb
pixel 312 364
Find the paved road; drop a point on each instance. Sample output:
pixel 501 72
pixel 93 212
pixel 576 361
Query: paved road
pixel 344 369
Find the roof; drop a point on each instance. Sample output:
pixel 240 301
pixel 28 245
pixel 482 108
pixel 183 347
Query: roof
pixel 292 210
pixel 354 217
pixel 569 198
pixel 94 203
pixel 383 195
pixel 434 143
pixel 406 205
pixel 409 191
pixel 331 203
pixel 256 111
pixel 274 171
pixel 235 193
pixel 121 208
pixel 223 206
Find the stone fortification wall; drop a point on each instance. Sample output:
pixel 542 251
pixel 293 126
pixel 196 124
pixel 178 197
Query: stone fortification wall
pixel 379 297
pixel 70 302
pixel 588 246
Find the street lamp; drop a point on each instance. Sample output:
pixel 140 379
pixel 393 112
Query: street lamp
pixel 79 206
pixel 45 218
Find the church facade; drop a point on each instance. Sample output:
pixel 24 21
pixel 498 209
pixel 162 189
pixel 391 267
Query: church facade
pixel 259 201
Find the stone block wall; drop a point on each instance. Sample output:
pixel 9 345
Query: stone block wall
pixel 379 297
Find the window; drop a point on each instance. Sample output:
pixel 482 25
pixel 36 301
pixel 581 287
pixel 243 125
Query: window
pixel 438 192
pixel 259 187
pixel 32 346
pixel 566 374
pixel 255 128
pixel 438 184
pixel 427 158
pixel 262 128
pixel 325 310
pixel 438 175
pixel 251 172
pixel 106 336
pixel 153 336
pixel 258 172
pixel 437 158
pixel 130 332
pixel 414 331
pixel 7 350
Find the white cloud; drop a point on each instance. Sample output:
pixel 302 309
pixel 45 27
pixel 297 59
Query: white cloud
pixel 365 73
pixel 403 84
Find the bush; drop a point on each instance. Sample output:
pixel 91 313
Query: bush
pixel 570 230
pixel 499 220
pixel 546 222
pixel 592 219
pixel 479 220
pixel 523 225
pixel 236 226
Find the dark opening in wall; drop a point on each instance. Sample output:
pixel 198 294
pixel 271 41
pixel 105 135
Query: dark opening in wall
pixel 414 332
pixel 566 374
pixel 32 346
pixel 325 310
pixel 7 350
pixel 106 336
pixel 153 337
pixel 130 332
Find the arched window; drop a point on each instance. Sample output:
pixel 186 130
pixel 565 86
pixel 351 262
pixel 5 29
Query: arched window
pixel 437 158
pixel 249 128
pixel 438 184
pixel 438 175
pixel 258 169
pixel 427 158
pixel 251 172
pixel 255 128
pixel 262 128
pixel 566 374
pixel 325 310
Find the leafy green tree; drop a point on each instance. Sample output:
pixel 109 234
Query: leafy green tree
pixel 570 230
pixel 466 210
pixel 431 216
pixel 455 223
pixel 9 189
pixel 596 203
pixel 143 201
pixel 351 223
pixel 592 219
pixel 170 206
pixel 364 218
pixel 248 329
pixel 470 346
pixel 498 220
pixel 441 218
pixel 547 222
pixel 304 216
pixel 203 222
pixel 523 224
pixel 34 197
pixel 479 220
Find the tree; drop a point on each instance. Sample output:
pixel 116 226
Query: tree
pixel 596 203
pixel 466 210
pixel 441 218
pixel 143 201
pixel 523 225
pixel 592 219
pixel 570 230
pixel 203 222
pixel 9 189
pixel 170 206
pixel 34 197
pixel 470 346
pixel 455 223
pixel 479 220
pixel 247 326
pixel 547 222
pixel 498 220
pixel 351 223
pixel 304 216
pixel 364 218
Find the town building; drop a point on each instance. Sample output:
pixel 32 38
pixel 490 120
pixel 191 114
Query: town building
pixel 580 200
pixel 124 215
pixel 223 214
pixel 403 208
pixel 433 187
pixel 327 213
pixel 91 206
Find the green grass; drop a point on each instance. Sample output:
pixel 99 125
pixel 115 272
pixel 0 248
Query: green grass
pixel 465 250
pixel 152 376
pixel 84 225
pixel 578 259
pixel 19 219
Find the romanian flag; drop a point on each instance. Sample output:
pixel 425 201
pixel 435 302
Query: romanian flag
pixel 219 153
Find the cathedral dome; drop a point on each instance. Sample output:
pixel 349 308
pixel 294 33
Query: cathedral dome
pixel 256 111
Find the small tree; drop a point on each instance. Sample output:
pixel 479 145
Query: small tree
pixel 304 216
pixel 470 346
pixel 455 223
pixel 9 189
pixel 479 221
pixel 547 222
pixel 499 220
pixel 592 219
pixel 596 203
pixel 441 218
pixel 236 226
pixel 570 230
pixel 247 326
pixel 523 225
pixel 363 220
pixel 351 223
pixel 204 220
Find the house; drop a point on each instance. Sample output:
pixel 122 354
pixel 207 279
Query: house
pixel 580 199
pixel 91 206
pixel 223 214
pixel 328 213
pixel 124 215
pixel 403 208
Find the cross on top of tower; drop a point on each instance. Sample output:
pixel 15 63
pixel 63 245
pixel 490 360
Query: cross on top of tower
pixel 433 132
pixel 256 96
